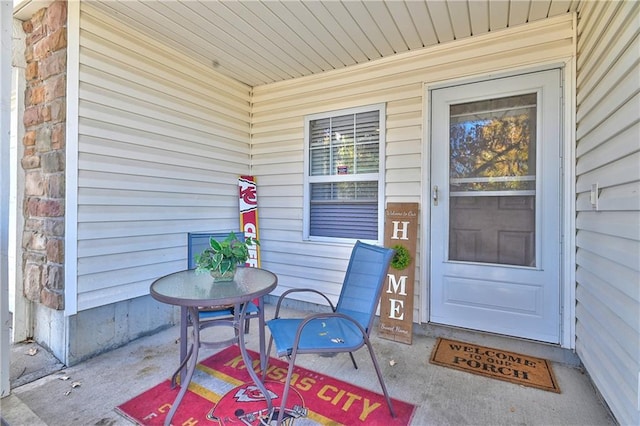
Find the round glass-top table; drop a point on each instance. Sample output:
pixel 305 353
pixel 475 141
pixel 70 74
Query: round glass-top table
pixel 191 291
pixel 190 288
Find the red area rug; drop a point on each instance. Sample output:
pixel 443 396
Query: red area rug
pixel 222 392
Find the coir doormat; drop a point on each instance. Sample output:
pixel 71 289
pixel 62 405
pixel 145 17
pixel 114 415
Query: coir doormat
pixel 222 393
pixel 495 363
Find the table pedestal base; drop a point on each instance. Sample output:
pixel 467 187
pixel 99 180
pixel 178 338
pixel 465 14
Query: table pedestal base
pixel 191 358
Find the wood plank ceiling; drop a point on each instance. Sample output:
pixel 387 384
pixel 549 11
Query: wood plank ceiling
pixel 259 42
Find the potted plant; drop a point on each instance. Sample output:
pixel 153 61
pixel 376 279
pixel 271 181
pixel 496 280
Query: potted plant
pixel 221 258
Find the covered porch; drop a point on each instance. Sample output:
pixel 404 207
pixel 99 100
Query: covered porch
pixel 136 118
pixel 443 396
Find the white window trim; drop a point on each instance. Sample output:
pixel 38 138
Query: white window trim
pixel 381 173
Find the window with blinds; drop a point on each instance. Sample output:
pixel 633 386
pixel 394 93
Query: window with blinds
pixel 343 174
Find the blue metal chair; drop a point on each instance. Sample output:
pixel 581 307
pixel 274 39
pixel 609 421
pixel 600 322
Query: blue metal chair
pixel 196 243
pixel 346 328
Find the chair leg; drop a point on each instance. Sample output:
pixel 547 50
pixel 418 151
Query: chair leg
pixel 353 360
pixel 266 365
pixel 285 392
pixel 379 373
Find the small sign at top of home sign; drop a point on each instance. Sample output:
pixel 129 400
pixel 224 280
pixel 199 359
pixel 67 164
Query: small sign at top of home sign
pixel 396 302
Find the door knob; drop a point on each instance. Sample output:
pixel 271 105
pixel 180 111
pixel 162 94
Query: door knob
pixel 434 195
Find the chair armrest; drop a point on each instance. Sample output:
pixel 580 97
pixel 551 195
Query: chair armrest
pixel 299 290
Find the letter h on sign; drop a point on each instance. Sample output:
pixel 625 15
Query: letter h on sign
pixel 397 230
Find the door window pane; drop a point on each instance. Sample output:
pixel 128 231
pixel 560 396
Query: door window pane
pixel 492 180
pixel 492 145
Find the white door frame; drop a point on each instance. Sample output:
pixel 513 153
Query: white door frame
pixel 567 273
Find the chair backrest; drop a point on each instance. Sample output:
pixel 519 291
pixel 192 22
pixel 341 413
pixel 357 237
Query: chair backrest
pixel 198 241
pixel 363 282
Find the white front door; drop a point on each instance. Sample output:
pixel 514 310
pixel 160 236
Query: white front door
pixel 495 206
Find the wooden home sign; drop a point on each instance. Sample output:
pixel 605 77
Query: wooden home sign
pixel 396 302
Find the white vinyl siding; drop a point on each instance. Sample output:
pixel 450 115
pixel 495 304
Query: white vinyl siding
pixel 608 240
pixel 278 136
pixel 162 141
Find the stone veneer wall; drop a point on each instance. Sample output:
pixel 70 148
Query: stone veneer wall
pixel 44 155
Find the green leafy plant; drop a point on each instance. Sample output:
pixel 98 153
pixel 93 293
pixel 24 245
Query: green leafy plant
pixel 224 256
pixel 402 258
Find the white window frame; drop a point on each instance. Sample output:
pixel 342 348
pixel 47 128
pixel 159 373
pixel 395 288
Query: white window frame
pixel 380 176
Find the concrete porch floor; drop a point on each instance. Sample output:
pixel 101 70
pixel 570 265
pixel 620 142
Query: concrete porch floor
pixel 443 396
